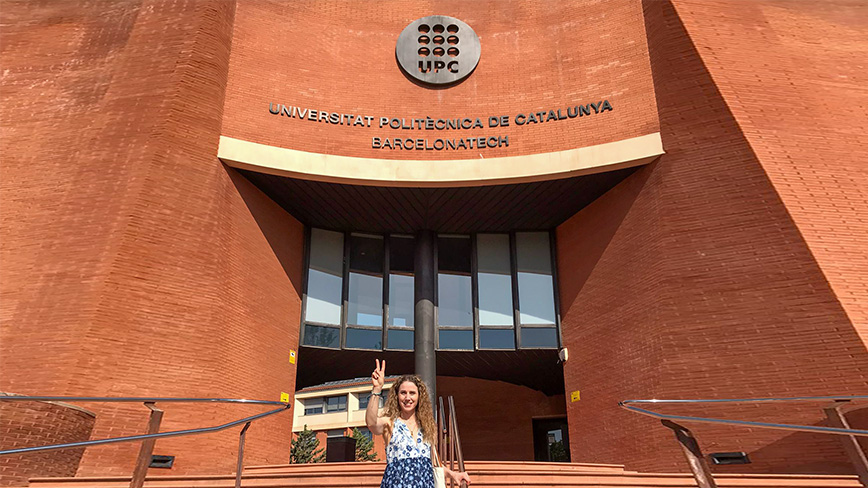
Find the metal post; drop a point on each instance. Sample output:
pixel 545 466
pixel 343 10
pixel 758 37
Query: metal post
pixel 147 448
pixel 240 466
pixel 851 444
pixel 690 446
pixel 454 423
pixel 425 275
pixel 441 430
pixel 452 441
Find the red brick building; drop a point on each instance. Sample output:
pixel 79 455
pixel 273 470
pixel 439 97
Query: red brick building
pixel 674 191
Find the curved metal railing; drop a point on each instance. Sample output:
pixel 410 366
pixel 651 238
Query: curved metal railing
pixel 628 405
pixel 153 434
pixel 690 446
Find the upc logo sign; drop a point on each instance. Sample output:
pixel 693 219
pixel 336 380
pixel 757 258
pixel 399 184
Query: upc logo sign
pixel 438 49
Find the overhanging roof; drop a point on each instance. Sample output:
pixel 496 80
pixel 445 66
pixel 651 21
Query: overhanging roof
pixel 538 205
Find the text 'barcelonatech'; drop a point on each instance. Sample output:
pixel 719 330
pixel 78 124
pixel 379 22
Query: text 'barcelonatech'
pixel 458 142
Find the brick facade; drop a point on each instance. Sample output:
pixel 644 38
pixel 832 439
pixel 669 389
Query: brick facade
pixel 133 263
pixel 27 424
pixel 537 55
pixel 692 279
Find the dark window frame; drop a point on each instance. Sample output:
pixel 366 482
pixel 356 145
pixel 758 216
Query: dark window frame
pixel 475 328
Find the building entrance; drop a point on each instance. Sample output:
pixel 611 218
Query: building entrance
pixel 551 440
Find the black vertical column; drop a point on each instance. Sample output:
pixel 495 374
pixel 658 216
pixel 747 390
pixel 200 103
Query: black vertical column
pixel 426 364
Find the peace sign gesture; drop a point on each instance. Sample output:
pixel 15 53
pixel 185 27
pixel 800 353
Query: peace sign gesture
pixel 378 377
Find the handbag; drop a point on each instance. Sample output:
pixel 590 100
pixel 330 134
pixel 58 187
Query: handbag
pixel 439 474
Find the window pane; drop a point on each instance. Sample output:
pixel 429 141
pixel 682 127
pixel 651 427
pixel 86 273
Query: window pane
pixel 536 297
pixel 401 297
pixel 454 302
pixel 312 406
pixel 453 254
pixel 494 279
pixel 401 283
pixel 402 252
pixel 366 432
pixel 335 433
pixel 496 339
pixel 336 403
pixel 363 400
pixel 315 335
pixel 324 277
pixel 455 305
pixel 365 300
pixel 364 339
pixel 456 339
pixel 401 339
pixel 535 337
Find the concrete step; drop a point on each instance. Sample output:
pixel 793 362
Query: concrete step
pixel 500 466
pixel 487 474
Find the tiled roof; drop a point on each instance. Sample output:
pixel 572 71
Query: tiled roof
pixel 334 385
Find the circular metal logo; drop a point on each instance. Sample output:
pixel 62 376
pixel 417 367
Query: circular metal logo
pixel 438 49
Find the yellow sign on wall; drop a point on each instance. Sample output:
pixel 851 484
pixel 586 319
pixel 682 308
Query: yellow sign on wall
pixel 291 356
pixel 284 397
pixel 574 396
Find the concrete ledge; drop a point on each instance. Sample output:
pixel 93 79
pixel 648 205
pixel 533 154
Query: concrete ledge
pixel 279 161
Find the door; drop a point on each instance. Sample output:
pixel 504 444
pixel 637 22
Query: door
pixel 551 440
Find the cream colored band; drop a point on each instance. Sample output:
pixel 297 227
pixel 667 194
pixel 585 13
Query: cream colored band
pixel 439 173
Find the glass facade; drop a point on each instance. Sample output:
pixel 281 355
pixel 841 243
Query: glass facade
pixel 494 291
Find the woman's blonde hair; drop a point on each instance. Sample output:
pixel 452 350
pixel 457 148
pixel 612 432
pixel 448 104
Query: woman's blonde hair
pixel 424 412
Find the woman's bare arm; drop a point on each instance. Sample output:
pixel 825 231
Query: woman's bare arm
pixel 376 424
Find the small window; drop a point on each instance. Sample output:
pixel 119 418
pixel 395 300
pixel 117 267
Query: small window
pixel 336 433
pixel 366 432
pixel 312 406
pixel 364 398
pixel 336 404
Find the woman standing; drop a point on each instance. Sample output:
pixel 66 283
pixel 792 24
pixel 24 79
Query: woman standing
pixel 408 427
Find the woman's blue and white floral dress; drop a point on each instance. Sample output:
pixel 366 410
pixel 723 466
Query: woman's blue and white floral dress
pixel 408 460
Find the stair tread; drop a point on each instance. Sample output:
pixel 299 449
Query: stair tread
pixel 487 474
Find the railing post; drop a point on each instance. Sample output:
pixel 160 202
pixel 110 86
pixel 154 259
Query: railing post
pixel 693 453
pixel 147 448
pixel 851 444
pixel 454 422
pixel 441 431
pixel 240 466
pixel 451 423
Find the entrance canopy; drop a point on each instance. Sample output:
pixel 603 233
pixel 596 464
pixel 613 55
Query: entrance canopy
pixel 539 205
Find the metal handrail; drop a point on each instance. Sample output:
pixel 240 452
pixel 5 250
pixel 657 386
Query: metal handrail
pixel 627 404
pixel 447 429
pixel 135 399
pixel 693 453
pixel 756 400
pixel 156 415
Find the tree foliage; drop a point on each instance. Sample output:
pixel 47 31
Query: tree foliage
pixel 364 447
pixel 558 452
pixel 305 448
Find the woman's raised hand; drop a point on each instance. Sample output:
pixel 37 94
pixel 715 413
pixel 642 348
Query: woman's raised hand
pixel 378 377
